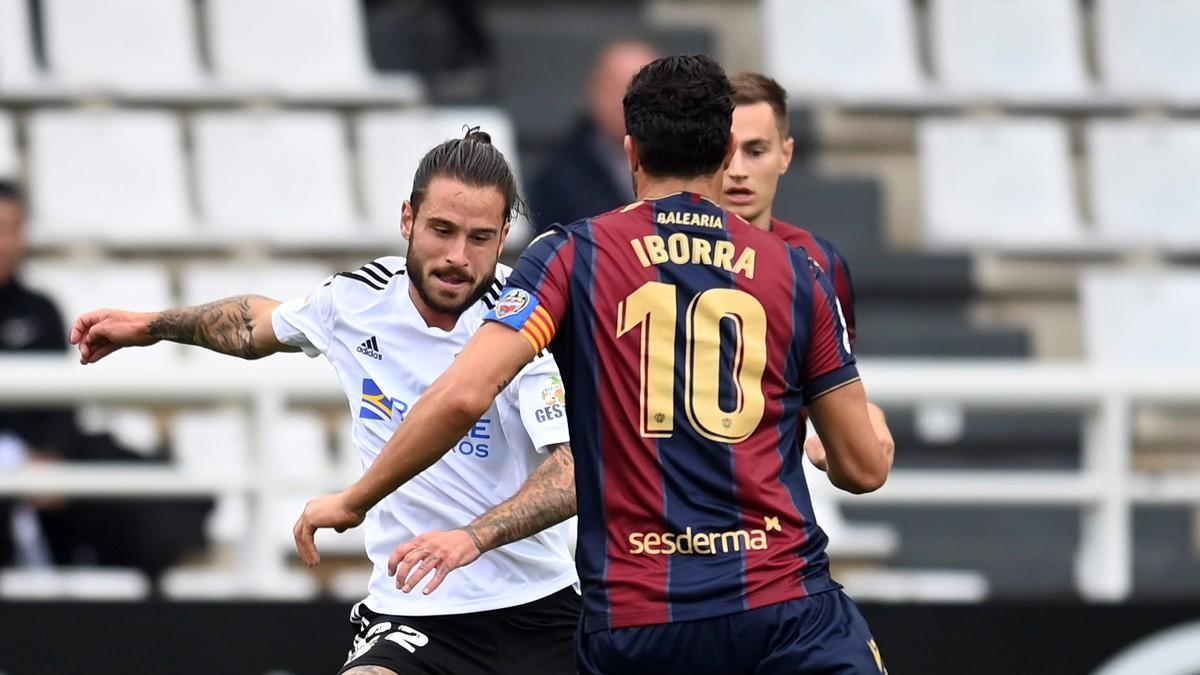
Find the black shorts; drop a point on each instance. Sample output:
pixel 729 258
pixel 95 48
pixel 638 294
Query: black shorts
pixel 538 637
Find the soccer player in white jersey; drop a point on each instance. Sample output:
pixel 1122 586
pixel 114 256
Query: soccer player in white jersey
pixel 390 329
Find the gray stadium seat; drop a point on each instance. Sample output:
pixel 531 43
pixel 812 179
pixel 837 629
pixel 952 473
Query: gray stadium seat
pixel 122 45
pixel 849 48
pixel 282 177
pixel 1012 49
pixel 1159 316
pixel 108 176
pixel 1149 48
pixel 1144 180
pixel 997 183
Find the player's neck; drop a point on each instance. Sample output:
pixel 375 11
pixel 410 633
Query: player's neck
pixel 432 317
pixel 652 187
pixel 763 221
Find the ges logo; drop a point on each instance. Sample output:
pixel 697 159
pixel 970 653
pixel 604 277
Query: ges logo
pixel 555 398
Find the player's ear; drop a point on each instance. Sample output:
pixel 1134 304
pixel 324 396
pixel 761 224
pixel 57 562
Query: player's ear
pixel 789 146
pixel 631 153
pixel 406 219
pixel 729 152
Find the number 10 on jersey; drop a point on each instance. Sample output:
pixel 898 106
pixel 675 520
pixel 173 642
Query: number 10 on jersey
pixel 653 307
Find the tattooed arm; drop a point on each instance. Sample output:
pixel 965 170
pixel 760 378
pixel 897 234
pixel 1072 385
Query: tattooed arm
pixel 238 326
pixel 547 498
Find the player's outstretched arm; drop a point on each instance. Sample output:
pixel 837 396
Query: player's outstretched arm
pixel 238 326
pixel 443 414
pixel 857 458
pixel 815 449
pixel 547 498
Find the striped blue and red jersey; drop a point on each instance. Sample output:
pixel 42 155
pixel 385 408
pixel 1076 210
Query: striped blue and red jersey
pixel 832 262
pixel 689 341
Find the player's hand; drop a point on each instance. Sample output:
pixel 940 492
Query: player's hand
pixel 815 449
pixel 328 511
pixel 441 551
pixel 104 331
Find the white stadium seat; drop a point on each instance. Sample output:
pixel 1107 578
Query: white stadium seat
pixel 71 583
pixel 842 48
pixel 391 145
pixel 282 177
pixel 108 176
pixel 997 183
pixel 1135 318
pixel 1149 47
pixel 203 282
pixel 9 161
pixel 216 443
pixel 1008 48
pixel 18 68
pixel 126 45
pixel 1145 180
pixel 288 44
pixel 80 287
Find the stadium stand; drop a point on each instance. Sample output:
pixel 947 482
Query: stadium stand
pixel 1147 48
pixel 1022 49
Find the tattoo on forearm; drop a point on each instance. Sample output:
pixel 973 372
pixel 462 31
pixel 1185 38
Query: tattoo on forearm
pixel 224 326
pixel 547 498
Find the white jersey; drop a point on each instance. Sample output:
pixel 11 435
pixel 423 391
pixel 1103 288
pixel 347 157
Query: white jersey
pixel 386 356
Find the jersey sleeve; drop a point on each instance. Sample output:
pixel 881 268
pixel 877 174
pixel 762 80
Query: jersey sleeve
pixel 843 286
pixel 306 322
pixel 829 362
pixel 542 401
pixel 535 297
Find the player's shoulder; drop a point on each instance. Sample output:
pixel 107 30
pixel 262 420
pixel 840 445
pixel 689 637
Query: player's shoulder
pixel 368 284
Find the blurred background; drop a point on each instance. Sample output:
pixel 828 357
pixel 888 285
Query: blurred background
pixel 1015 184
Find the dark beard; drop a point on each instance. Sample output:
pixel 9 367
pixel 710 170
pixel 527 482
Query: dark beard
pixel 416 275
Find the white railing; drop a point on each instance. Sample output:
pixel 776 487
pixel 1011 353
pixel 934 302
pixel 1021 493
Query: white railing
pixel 1105 488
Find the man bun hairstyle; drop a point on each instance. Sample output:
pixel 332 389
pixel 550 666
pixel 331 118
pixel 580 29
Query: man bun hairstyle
pixel 472 160
pixel 679 109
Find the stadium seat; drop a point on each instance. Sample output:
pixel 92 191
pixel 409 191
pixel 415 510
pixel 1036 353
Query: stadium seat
pixel 1008 49
pixel 109 177
pixel 1144 180
pixel 216 443
pixel 391 145
pixel 1159 316
pixel 848 48
pixel 9 161
pixel 82 583
pixel 80 287
pixel 123 45
pixel 300 47
pixel 1003 183
pixel 18 68
pixel 282 177
pixel 202 282
pixel 1149 47
pixel 207 584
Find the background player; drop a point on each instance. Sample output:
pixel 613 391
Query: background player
pixel 762 154
pixel 389 329
pixel 698 552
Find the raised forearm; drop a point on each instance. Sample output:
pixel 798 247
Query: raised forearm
pixel 547 498
pixel 231 326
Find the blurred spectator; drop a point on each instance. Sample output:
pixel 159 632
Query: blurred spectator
pixel 148 535
pixel 588 174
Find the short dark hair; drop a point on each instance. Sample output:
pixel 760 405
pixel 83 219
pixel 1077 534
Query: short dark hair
pixel 751 88
pixel 679 109
pixel 11 191
pixel 473 160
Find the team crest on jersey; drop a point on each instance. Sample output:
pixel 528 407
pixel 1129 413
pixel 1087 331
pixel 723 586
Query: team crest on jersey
pixel 375 404
pixel 512 302
pixel 554 394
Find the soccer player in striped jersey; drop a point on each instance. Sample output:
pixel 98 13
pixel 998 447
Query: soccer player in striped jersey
pixel 389 329
pixel 763 154
pixel 689 341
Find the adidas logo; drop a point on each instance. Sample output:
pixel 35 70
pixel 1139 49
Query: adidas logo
pixel 370 347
